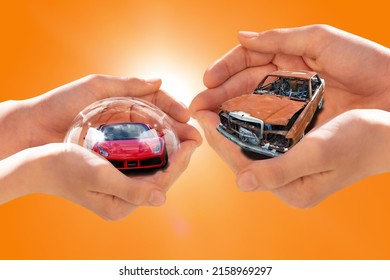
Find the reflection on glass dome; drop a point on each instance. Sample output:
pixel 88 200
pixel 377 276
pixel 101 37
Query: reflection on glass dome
pixel 129 132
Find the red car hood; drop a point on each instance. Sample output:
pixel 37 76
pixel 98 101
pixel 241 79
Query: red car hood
pixel 131 147
pixel 272 109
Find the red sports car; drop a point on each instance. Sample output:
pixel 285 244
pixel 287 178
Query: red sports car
pixel 129 145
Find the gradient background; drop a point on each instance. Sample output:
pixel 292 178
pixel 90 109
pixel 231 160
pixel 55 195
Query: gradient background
pixel 45 44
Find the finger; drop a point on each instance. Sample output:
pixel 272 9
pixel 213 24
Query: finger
pixel 324 150
pixel 145 89
pixel 108 86
pixel 109 207
pixel 322 47
pixel 308 191
pixel 105 86
pixel 234 61
pixel 242 83
pixel 307 41
pixel 187 132
pixel 76 95
pixel 306 158
pixel 85 91
pixel 169 105
pixel 332 52
pixel 227 150
pixel 178 163
pixel 131 190
pixel 286 61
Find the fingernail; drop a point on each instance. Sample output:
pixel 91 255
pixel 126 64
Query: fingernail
pixel 248 34
pixel 153 80
pixel 156 198
pixel 247 181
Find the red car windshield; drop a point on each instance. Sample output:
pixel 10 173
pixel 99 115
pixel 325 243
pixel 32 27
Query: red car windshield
pixel 126 131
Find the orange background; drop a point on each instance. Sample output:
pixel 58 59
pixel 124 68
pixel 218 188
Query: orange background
pixel 45 44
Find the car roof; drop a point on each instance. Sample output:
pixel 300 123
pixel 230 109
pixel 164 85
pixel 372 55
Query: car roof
pixel 299 74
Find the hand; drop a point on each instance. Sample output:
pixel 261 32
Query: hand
pixel 348 148
pixel 73 172
pixel 356 70
pixel 338 57
pixel 46 118
pixel 81 176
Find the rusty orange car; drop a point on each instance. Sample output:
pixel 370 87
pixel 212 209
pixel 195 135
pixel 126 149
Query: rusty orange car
pixel 273 118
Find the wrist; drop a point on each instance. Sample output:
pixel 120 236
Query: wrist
pixel 377 125
pixel 384 130
pixel 33 170
pixel 15 125
pixel 20 175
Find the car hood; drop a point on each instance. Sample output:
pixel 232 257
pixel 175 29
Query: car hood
pixel 130 147
pixel 272 109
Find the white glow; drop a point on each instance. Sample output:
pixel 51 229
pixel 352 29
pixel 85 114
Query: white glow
pixel 179 79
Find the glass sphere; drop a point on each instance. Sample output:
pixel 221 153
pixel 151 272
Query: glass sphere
pixel 130 132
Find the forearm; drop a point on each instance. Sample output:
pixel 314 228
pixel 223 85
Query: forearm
pixel 379 121
pixel 16 127
pixel 19 175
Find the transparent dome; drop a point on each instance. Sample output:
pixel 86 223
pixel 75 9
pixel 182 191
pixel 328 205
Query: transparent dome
pixel 129 132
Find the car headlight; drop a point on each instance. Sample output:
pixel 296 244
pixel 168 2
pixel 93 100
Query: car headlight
pixel 248 136
pixel 102 151
pixel 157 149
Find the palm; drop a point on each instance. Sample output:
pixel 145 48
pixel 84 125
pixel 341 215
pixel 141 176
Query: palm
pixel 240 71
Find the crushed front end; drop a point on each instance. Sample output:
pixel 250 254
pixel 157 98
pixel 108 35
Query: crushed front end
pixel 253 134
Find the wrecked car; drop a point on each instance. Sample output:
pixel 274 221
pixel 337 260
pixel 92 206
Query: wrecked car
pixel 274 117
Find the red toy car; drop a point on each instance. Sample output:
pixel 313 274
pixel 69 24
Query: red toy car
pixel 129 145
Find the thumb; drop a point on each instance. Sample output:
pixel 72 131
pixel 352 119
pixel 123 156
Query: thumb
pixel 302 160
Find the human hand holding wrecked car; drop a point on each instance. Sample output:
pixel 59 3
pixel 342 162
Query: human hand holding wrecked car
pixel 346 144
